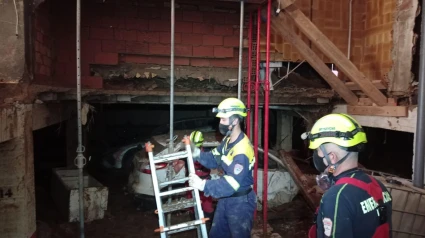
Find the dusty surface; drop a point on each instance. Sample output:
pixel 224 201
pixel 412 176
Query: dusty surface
pixel 222 76
pixel 291 219
pixel 123 220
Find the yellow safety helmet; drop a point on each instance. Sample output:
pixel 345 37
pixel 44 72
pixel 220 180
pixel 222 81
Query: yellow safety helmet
pixel 197 137
pixel 229 107
pixel 340 129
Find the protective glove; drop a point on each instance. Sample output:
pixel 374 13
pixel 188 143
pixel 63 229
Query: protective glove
pixel 196 182
pixel 196 152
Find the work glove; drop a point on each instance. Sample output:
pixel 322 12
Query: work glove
pixel 196 182
pixel 196 152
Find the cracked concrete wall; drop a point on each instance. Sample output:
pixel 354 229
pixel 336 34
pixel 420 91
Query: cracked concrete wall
pixel 17 194
pixel 12 46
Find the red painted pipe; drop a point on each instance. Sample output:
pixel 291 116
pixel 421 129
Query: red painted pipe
pixel 248 100
pixel 257 88
pixel 266 119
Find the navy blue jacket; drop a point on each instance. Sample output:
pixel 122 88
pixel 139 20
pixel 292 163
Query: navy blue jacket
pixel 348 211
pixel 237 160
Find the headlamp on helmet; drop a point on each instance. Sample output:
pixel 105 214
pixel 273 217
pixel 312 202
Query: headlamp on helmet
pixel 229 107
pixel 339 129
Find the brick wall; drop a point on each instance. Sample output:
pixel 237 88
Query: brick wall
pixel 378 42
pixel 43 45
pixel 331 17
pixel 371 37
pixel 124 32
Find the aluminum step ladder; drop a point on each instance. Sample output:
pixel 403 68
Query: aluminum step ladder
pixel 183 203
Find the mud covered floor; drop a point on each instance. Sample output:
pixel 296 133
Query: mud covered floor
pixel 123 220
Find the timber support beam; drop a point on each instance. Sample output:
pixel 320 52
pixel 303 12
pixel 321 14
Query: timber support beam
pixel 330 50
pixel 313 59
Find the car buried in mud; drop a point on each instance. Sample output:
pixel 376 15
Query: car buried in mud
pixel 281 188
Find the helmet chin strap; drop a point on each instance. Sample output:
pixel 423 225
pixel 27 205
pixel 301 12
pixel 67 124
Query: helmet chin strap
pixel 332 167
pixel 231 127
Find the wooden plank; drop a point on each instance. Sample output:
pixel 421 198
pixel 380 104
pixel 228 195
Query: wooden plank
pixel 392 111
pixel 418 224
pixel 409 213
pixel 304 184
pixel 379 84
pixel 278 26
pixel 333 53
pixel 285 3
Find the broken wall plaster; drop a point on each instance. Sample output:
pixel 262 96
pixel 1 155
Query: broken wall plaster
pixel 400 75
pixel 223 76
pixel 12 46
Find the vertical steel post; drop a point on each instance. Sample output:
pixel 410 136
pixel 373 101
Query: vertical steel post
pixel 418 173
pixel 248 93
pixel 80 161
pixel 257 88
pixel 171 144
pixel 240 50
pixel 266 118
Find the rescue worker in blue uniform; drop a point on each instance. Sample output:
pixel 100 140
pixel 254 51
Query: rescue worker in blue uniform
pixel 234 213
pixel 355 204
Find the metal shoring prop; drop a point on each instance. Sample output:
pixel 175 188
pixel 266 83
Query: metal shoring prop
pixel 80 160
pixel 266 119
pixel 240 50
pixel 171 143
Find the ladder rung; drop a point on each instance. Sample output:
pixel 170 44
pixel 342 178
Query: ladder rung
pixel 178 205
pixel 175 191
pixel 174 181
pixel 170 157
pixel 181 226
pixel 182 229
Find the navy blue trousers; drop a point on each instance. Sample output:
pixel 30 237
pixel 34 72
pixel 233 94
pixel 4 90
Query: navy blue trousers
pixel 234 217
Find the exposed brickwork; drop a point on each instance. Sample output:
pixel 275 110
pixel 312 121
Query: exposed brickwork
pixel 43 45
pixel 115 32
pixel 371 35
pixel 378 41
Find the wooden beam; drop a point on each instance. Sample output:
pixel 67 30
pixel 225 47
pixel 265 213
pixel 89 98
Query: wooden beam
pixel 279 27
pixel 303 182
pixel 379 84
pixel 285 3
pixel 389 111
pixel 333 53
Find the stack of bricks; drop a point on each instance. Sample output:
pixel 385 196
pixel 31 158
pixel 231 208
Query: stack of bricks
pixel 378 41
pixel 43 46
pixel 123 32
